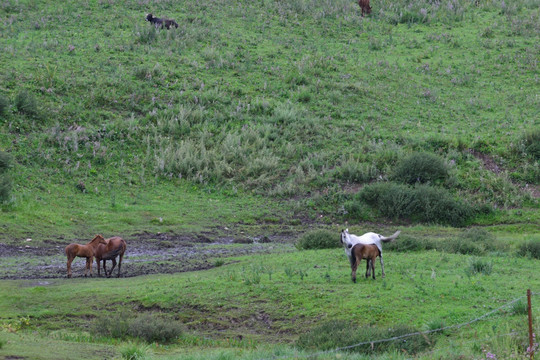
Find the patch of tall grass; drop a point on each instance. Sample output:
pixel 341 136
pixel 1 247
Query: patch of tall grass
pixel 337 334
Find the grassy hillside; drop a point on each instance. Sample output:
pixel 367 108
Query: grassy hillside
pixel 299 100
pixel 260 120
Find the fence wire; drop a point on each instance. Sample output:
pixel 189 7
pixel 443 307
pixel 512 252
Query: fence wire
pixel 455 326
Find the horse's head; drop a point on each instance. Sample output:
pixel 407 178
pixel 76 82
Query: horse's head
pixel 345 238
pixel 149 17
pixel 99 239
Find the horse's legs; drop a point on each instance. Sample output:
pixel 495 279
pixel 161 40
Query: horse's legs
pixel 69 261
pixel 382 265
pixel 113 266
pixel 120 263
pixel 373 267
pixel 89 261
pixel 98 267
pixel 355 266
pixel 105 268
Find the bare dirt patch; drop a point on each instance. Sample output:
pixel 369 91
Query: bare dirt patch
pixel 162 253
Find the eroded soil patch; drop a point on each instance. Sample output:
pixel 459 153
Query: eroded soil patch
pixel 146 254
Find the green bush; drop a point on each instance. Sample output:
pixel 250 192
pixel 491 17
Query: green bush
pixel 4 105
pixel 530 249
pixel 461 246
pixel 25 103
pixel 319 239
pixel 154 329
pixel 355 171
pixel 420 168
pixel 531 140
pixel 421 203
pixel 5 180
pixel 479 266
pixel 133 352
pixel 520 307
pixel 336 334
pixel 147 327
pixel 407 243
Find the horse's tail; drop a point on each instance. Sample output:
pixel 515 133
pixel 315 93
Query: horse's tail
pixel 390 238
pixel 118 251
pixel 113 253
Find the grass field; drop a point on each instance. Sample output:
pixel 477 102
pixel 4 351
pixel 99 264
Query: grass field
pixel 266 120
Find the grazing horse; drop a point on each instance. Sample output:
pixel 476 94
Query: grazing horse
pixel 349 240
pixel 364 5
pixel 88 251
pixel 368 252
pixel 160 23
pixel 115 246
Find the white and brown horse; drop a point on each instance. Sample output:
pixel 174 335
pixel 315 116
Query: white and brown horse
pixel 368 252
pixel 349 240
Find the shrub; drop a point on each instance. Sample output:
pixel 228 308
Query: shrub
pixel 147 327
pixel 530 249
pixel 133 352
pixel 420 168
pixel 355 171
pixel 422 203
pixel 520 307
pixel 319 239
pixel 479 266
pixel 463 246
pixel 25 103
pixel 5 180
pixel 4 105
pixel 407 243
pixel 154 329
pixel 335 334
pixel 531 140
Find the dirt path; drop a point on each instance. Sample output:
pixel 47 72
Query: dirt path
pixel 146 254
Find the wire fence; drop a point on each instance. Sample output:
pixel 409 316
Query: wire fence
pixel 423 333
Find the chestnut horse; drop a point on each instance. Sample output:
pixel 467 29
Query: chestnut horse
pixel 87 251
pixel 368 252
pixel 115 246
pixel 364 5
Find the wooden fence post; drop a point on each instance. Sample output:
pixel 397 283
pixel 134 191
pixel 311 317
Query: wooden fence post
pixel 529 310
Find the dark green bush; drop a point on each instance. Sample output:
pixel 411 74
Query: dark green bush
pixel 479 266
pixel 4 105
pixel 462 246
pixel 421 203
pixel 5 180
pixel 530 249
pixel 25 103
pixel 154 329
pixel 319 239
pixel 420 168
pixel 407 243
pixel 336 334
pixel 531 141
pixel 147 327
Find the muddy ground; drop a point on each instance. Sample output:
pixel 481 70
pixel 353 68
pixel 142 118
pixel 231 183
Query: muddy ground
pixel 146 254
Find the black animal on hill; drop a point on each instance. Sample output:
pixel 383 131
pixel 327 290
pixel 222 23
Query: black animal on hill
pixel 160 23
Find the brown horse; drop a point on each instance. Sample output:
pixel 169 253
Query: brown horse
pixel 87 251
pixel 364 5
pixel 368 252
pixel 115 246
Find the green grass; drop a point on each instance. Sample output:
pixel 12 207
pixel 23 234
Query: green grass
pixel 293 293
pixel 267 117
pixel 295 106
